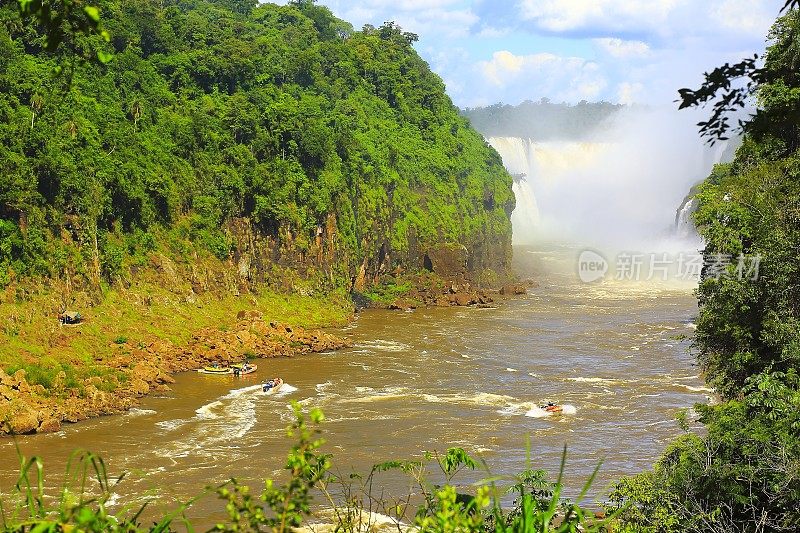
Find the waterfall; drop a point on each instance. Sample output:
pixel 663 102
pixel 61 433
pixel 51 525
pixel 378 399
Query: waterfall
pixel 684 226
pixel 537 168
pixel 721 152
pixel 618 191
pixel 518 158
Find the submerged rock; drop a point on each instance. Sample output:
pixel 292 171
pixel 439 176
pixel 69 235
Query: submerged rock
pixel 514 289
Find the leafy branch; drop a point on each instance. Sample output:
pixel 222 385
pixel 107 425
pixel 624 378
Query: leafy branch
pixel 61 19
pixel 729 87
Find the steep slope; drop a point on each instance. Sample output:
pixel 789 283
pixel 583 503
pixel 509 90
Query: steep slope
pixel 273 136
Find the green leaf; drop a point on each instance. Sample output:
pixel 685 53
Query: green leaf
pixel 93 13
pixel 104 57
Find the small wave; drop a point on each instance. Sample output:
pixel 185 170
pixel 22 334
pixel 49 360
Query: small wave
pixel 140 412
pixel 171 425
pixel 694 389
pixel 384 345
pixel 380 397
pixel 511 370
pixel 207 411
pixel 238 393
pixel 321 387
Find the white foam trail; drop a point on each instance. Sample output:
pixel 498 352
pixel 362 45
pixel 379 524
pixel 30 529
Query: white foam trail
pixel 286 389
pixel 238 393
pixel 207 410
pixel 538 412
pixel 603 381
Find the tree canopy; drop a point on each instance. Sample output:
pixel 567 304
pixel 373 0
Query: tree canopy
pixel 215 110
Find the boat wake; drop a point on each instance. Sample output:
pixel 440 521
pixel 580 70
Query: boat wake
pixel 538 412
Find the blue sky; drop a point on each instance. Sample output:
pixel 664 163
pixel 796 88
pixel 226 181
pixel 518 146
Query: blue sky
pixel 570 50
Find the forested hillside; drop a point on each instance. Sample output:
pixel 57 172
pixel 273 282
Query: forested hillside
pixel 224 122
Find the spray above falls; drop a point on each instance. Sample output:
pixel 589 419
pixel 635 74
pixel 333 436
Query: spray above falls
pixel 618 189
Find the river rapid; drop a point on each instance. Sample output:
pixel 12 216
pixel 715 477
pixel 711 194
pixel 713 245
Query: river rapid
pixel 416 381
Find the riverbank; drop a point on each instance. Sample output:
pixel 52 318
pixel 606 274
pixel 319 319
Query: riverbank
pixel 134 336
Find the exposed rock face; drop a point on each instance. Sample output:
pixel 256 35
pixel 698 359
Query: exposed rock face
pixel 23 423
pixel 27 409
pixel 260 258
pixel 448 261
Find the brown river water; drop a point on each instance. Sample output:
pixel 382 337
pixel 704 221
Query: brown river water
pixel 416 381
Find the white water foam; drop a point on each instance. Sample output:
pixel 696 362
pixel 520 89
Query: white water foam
pixel 171 425
pixel 383 346
pixel 140 412
pixel 538 412
pixel 694 389
pixel 227 418
pixel 286 389
pixel 602 381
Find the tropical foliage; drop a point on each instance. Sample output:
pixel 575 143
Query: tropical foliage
pixel 216 110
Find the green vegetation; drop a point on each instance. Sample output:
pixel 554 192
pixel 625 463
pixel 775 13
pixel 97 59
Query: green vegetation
pixel 213 111
pixel 389 290
pixel 743 473
pixel 353 502
pixel 150 311
pixel 543 120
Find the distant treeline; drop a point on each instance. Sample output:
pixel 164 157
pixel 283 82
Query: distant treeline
pixel 542 120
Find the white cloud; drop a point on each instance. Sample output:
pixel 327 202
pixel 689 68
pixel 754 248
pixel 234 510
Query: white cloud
pixel 430 19
pixel 544 74
pixel 622 49
pixel 743 16
pixel 438 23
pixel 597 15
pixel 493 33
